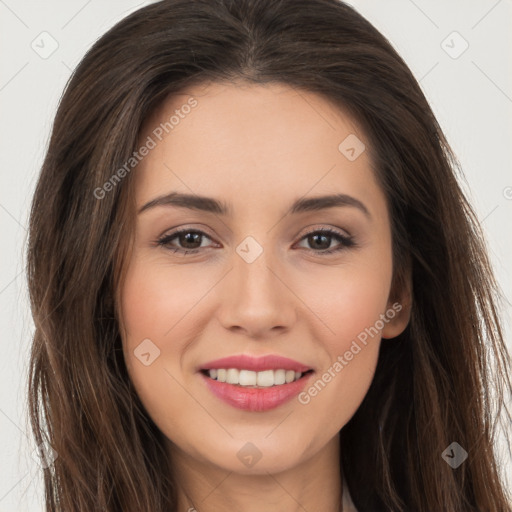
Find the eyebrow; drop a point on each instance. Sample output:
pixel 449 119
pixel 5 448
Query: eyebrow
pixel 211 205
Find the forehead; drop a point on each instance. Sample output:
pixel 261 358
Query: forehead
pixel 259 141
pixel 236 113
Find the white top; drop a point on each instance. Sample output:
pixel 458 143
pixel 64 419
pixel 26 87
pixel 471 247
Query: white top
pixel 348 505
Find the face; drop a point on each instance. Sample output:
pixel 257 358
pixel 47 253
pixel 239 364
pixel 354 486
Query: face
pixel 264 270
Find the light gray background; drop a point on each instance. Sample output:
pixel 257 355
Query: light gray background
pixel 471 96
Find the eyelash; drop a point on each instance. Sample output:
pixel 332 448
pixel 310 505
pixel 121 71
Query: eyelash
pixel 345 241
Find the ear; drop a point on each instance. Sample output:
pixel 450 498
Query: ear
pixel 399 306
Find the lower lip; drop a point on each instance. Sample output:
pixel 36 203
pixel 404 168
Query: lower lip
pixel 256 399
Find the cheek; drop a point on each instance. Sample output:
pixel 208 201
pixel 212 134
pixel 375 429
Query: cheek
pixel 349 299
pixel 157 303
pixel 350 302
pixel 164 303
pixel 158 297
pixel 152 306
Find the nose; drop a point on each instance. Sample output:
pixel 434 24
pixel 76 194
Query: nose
pixel 256 298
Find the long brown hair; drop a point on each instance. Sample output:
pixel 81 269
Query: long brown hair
pixel 444 379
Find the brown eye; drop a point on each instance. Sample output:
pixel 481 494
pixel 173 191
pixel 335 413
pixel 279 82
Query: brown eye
pixel 189 240
pixel 320 240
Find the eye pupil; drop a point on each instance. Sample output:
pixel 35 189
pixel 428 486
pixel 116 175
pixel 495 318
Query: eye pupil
pixel 316 236
pixel 188 237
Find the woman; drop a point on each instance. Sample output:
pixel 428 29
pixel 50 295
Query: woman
pixel 195 348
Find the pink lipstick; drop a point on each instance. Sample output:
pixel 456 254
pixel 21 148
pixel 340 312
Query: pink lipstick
pixel 255 383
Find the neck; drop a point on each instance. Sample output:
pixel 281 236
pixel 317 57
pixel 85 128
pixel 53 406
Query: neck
pixel 313 484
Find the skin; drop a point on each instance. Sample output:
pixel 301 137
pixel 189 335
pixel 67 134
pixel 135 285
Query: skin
pixel 257 148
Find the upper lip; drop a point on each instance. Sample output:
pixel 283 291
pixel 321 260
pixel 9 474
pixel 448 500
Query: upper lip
pixel 256 364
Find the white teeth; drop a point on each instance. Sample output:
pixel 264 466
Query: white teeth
pixel 232 376
pixel 265 379
pixel 289 376
pixel 280 377
pixel 249 378
pixel 246 378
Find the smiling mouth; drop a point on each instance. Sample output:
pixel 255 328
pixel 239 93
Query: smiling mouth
pixel 251 379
